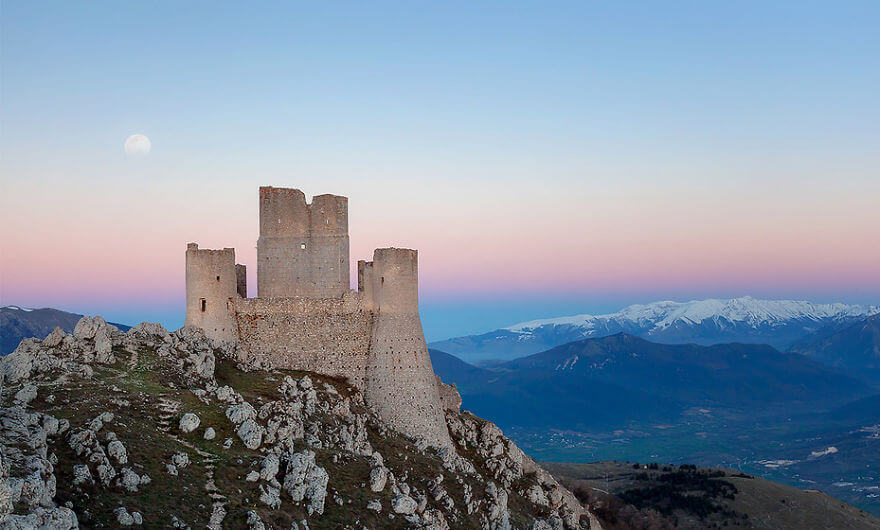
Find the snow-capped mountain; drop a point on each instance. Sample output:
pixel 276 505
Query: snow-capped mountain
pixel 779 323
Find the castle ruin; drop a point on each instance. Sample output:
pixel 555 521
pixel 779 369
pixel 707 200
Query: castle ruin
pixel 306 317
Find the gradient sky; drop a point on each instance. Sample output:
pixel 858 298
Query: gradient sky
pixel 545 158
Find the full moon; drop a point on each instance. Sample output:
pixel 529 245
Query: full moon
pixel 137 145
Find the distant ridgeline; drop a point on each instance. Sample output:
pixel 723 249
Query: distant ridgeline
pixel 305 317
pixel 779 323
pixel 17 323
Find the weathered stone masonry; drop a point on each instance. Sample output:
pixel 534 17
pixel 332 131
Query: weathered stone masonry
pixel 330 336
pixel 306 318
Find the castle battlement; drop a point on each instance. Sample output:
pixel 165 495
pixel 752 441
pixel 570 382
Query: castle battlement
pixel 306 317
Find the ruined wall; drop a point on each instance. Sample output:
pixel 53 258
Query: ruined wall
pixel 210 282
pixel 330 336
pixel 450 399
pixel 241 280
pixel 401 386
pixel 303 249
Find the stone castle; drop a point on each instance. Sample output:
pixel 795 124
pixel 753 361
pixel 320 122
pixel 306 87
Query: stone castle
pixel 306 317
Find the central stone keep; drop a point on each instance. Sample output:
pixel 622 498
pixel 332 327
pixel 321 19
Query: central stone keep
pixel 303 248
pixel 305 316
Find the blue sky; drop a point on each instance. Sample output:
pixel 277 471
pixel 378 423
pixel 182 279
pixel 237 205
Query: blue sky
pixel 546 158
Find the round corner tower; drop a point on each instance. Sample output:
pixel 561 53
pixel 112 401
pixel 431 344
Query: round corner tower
pixel 303 249
pixel 401 385
pixel 211 280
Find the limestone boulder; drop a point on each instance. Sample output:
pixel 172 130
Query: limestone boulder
pixel 27 394
pixel 54 339
pixel 57 518
pixel 149 331
pixel 378 479
pixel 251 434
pixel 306 480
pixel 81 475
pixel 240 413
pixel 180 460
pixel 104 347
pixel 270 467
pixel 129 480
pixel 87 327
pixel 404 504
pixel 226 394
pixel 123 517
pixel 270 496
pixel 189 422
pixel 116 450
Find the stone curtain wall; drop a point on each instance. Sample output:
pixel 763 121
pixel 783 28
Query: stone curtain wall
pixel 330 336
pixel 303 249
pixel 210 284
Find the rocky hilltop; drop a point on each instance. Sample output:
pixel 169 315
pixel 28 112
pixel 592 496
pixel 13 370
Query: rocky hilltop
pixel 17 323
pixel 146 428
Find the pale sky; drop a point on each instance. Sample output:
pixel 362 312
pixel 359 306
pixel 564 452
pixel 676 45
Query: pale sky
pixel 545 159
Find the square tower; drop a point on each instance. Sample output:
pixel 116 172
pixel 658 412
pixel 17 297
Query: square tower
pixel 303 249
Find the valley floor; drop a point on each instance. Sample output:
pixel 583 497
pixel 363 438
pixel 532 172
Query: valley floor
pixel 841 460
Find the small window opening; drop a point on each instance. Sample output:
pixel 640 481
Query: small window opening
pixel 383 280
pixel 218 278
pixel 203 304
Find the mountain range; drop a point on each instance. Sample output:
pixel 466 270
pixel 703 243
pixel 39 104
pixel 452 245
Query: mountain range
pixel 779 323
pixel 809 418
pixel 18 323
pixel 608 381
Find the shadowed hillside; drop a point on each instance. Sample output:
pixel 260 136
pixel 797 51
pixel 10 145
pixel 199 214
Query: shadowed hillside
pixel 626 495
pixel 608 381
pixel 854 350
